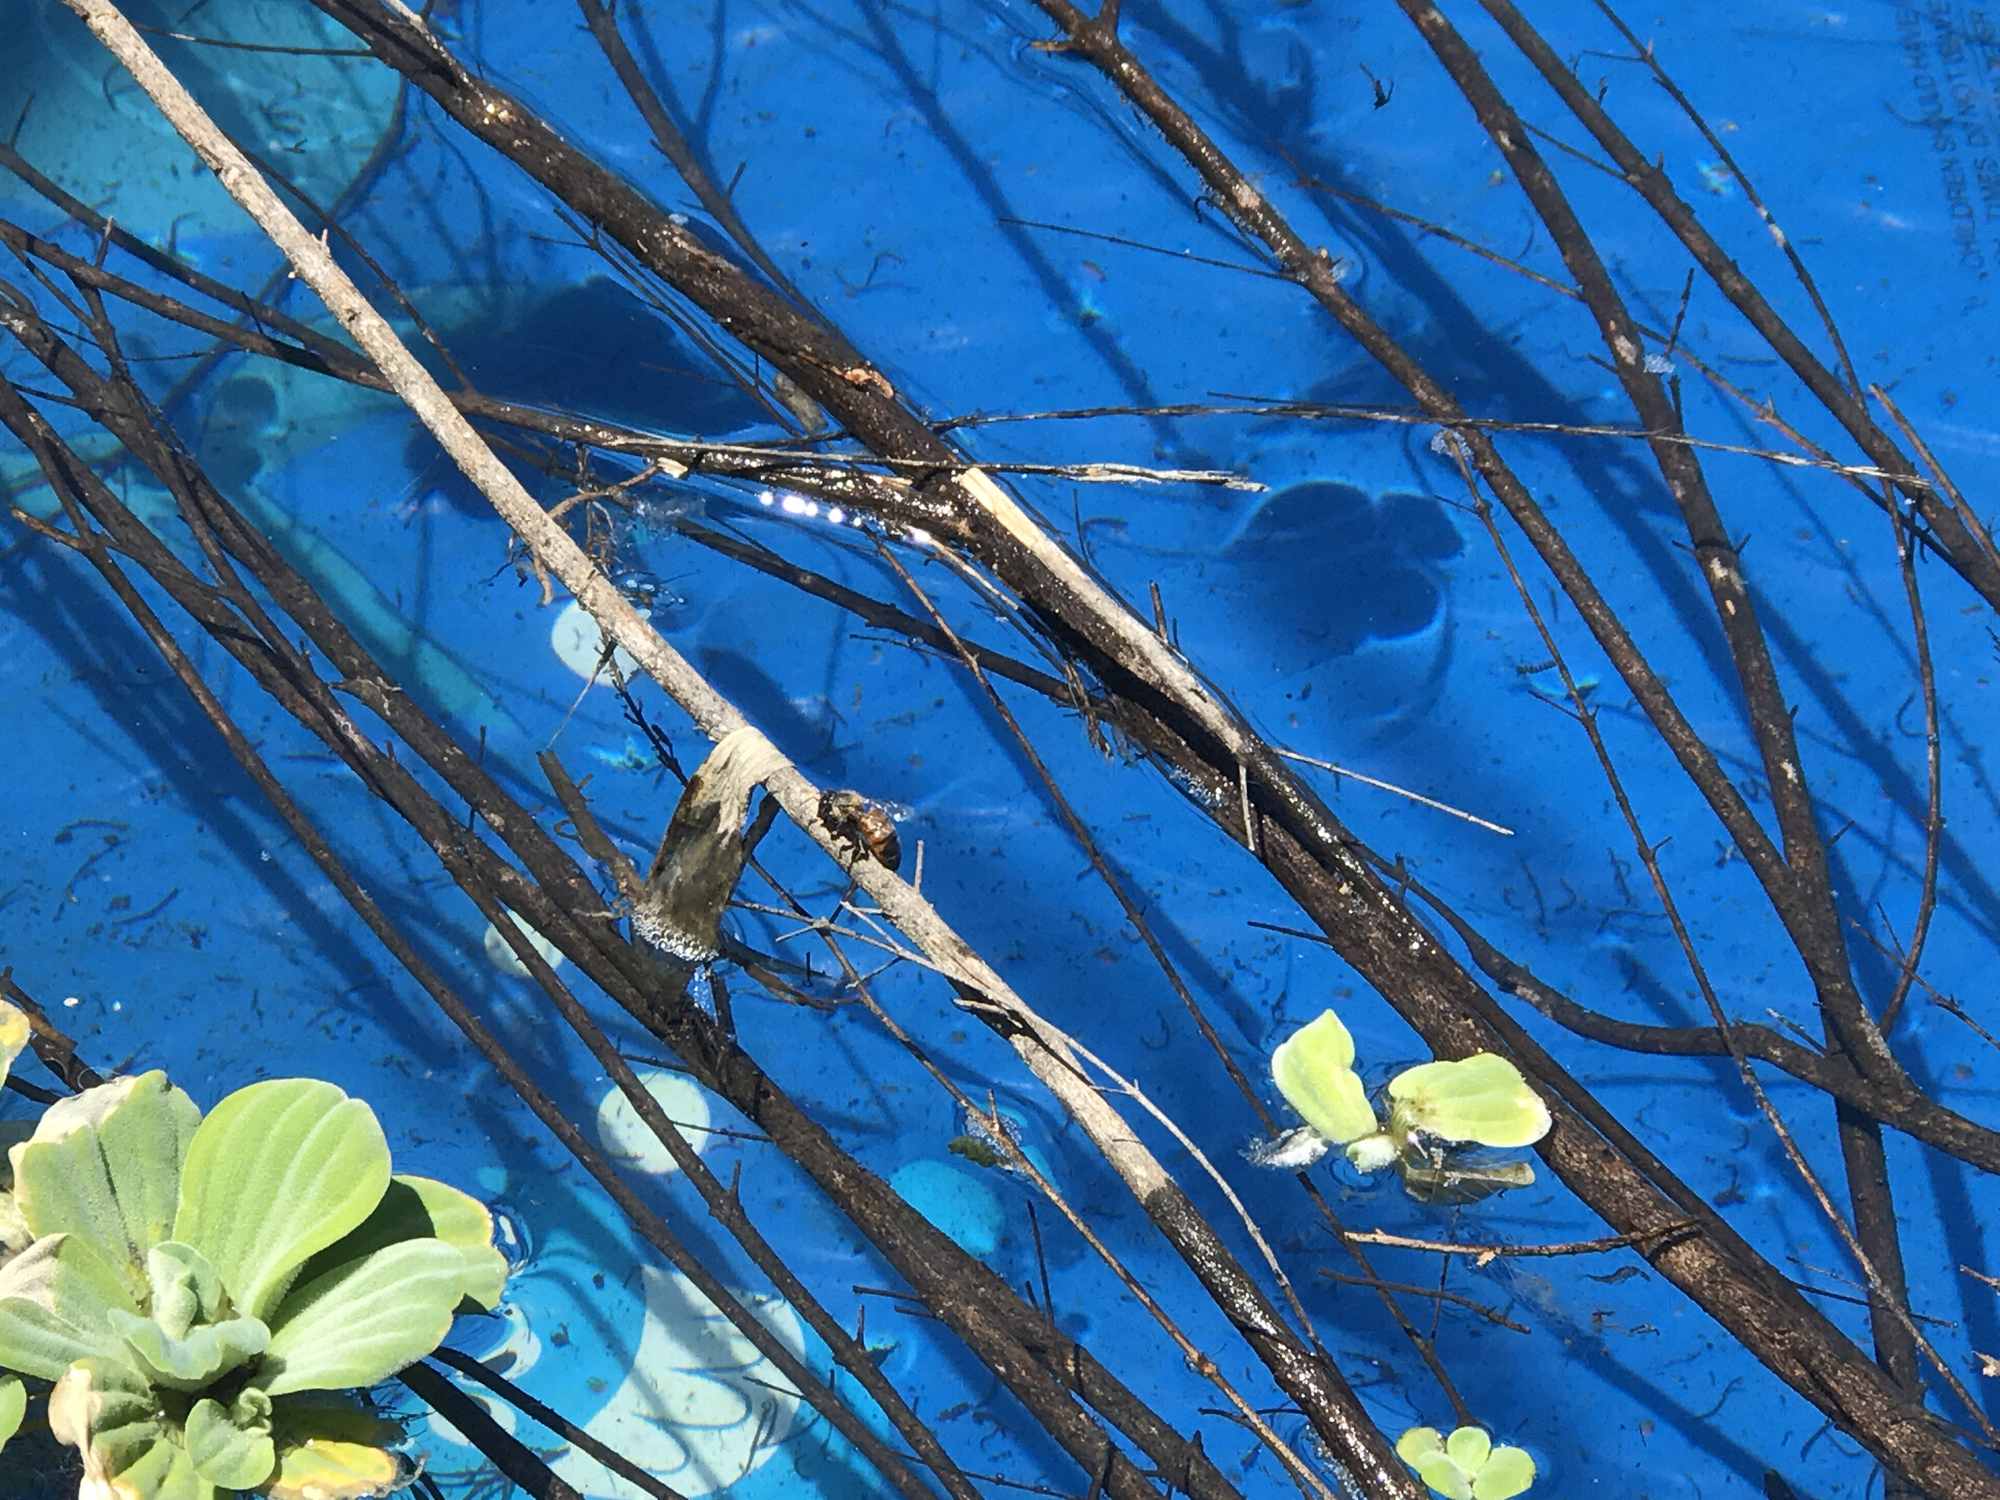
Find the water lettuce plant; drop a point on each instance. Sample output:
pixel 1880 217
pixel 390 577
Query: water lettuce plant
pixel 1434 1109
pixel 14 1034
pixel 196 1287
pixel 1466 1465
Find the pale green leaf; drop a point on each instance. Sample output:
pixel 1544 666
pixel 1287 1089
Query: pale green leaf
pixel 203 1355
pixel 105 1164
pixel 14 1034
pixel 111 1416
pixel 1422 1448
pixel 14 1231
pixel 1442 1475
pixel 1323 1042
pixel 56 1298
pixel 13 1407
pixel 1508 1472
pixel 465 1224
pixel 277 1172
pixel 231 1446
pixel 186 1290
pixel 417 1208
pixel 165 1473
pixel 1418 1441
pixel 1468 1447
pixel 1482 1098
pixel 332 1450
pixel 1313 1068
pixel 361 1322
pixel 107 1412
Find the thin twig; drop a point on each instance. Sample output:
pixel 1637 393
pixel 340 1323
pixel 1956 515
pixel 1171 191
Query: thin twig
pixel 1485 1254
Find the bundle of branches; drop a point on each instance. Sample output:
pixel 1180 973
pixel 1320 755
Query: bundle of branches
pixel 654 949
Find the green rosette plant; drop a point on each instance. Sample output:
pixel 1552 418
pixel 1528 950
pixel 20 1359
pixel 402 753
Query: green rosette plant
pixel 14 1235
pixel 193 1287
pixel 1435 1110
pixel 1466 1465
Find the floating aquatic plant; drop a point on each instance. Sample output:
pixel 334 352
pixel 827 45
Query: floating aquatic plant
pixel 14 1234
pixel 1314 1068
pixel 1480 1100
pixel 195 1287
pixel 1435 1107
pixel 1466 1465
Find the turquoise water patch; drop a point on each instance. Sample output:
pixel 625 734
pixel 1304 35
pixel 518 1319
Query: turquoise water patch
pixel 956 1201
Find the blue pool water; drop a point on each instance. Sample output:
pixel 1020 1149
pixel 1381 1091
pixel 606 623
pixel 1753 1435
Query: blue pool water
pixel 1003 235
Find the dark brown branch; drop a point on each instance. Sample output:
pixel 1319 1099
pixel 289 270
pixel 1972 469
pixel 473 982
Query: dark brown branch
pixel 975 1302
pixel 872 611
pixel 1798 886
pixel 53 1047
pixel 509 1454
pixel 1080 831
pixel 674 146
pixel 1804 902
pixel 555 1421
pixel 1873 1239
pixel 1979 566
pixel 1315 273
pixel 1903 1106
pixel 1762 1311
pixel 287 683
pixel 1941 480
pixel 1902 536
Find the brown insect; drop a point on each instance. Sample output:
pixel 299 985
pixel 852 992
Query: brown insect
pixel 864 827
